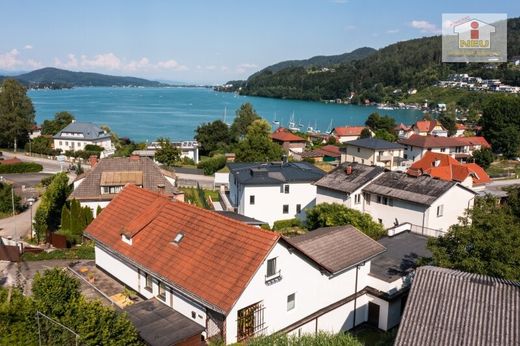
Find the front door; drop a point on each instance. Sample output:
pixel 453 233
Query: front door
pixel 373 314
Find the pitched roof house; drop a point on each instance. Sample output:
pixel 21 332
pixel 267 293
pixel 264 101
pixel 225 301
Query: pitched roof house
pixel 451 307
pixel 235 280
pixel 373 151
pixel 429 128
pixel 347 133
pixel 76 135
pixel 445 167
pixel 288 140
pixel 327 153
pixel 460 148
pixel 107 178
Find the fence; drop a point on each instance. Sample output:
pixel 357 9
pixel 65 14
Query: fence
pixel 417 229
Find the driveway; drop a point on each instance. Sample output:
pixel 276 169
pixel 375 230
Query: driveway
pixel 49 166
pixel 18 226
pixel 25 179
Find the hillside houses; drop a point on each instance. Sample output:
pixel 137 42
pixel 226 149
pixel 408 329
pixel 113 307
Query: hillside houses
pixel 373 151
pixel 235 281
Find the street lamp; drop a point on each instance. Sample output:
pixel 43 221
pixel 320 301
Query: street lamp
pixel 31 200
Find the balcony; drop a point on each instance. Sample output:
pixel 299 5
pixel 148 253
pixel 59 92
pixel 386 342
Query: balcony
pixel 271 279
pixel 384 158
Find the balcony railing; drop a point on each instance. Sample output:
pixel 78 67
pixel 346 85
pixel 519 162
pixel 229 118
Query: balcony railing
pixel 271 279
pixel 417 229
pixel 250 322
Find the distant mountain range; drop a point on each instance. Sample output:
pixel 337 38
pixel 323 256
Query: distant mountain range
pixel 322 60
pixel 58 78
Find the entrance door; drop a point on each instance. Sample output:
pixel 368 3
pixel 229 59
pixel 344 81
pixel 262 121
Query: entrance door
pixel 373 314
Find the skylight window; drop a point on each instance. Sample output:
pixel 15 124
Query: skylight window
pixel 178 238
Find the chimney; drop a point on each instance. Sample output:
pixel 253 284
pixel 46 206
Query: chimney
pixel 161 188
pixel 93 160
pixel 348 170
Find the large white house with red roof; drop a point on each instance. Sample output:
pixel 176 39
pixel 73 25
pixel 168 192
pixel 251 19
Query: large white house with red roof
pixel 460 148
pixel 347 133
pixel 429 128
pixel 237 281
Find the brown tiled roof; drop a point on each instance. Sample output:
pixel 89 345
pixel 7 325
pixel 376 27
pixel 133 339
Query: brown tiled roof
pixel 348 130
pixel 214 261
pixel 340 180
pixel 450 307
pixel 152 177
pixel 427 125
pixel 336 248
pixel 286 136
pixel 443 142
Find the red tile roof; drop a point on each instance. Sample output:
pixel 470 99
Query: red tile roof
pixel 348 130
pixel 286 136
pixel 443 142
pixel 215 260
pixel 426 125
pixel 328 150
pixel 446 168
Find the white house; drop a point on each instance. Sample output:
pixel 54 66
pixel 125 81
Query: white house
pixel 460 148
pixel 107 178
pixel 427 205
pixel 188 149
pixel 76 136
pixel 239 281
pixel 348 133
pixel 429 128
pixel 273 191
pixel 344 184
pixel 373 151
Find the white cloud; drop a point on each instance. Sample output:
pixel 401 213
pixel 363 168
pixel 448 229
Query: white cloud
pixel 425 26
pixel 10 59
pixel 28 46
pixel 140 64
pixel 171 65
pixel 72 62
pixel 107 61
pixel 33 64
pixel 242 68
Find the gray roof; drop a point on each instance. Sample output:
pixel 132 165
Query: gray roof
pixel 275 173
pixel 242 218
pixel 339 180
pixel 422 190
pixel 402 252
pixel 450 307
pixel 336 248
pixel 153 177
pixel 159 324
pixel 90 131
pixel 374 143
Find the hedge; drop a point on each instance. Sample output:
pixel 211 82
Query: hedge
pixel 283 224
pixel 22 167
pixel 213 164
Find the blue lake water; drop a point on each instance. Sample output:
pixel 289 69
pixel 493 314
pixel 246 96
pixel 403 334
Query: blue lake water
pixel 148 113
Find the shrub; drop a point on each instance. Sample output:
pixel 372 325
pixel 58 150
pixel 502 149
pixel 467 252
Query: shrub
pixel 22 167
pixel 283 224
pixel 211 165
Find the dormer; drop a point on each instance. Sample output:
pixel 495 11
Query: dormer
pixel 113 182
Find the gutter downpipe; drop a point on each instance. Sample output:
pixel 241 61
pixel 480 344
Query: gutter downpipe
pixel 355 293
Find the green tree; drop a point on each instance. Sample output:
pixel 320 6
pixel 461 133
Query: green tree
pixel 377 122
pixel 257 146
pixel 41 145
pixel 365 133
pixel 60 121
pixel 335 214
pixel 213 164
pixel 385 135
pixel 55 291
pixel 486 241
pixel 245 116
pixel 483 157
pixel 167 154
pixel 6 199
pixel 16 114
pixel 213 136
pixel 449 122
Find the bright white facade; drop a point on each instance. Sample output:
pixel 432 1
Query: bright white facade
pixel 77 135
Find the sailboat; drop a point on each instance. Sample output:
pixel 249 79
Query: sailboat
pixel 275 122
pixel 329 129
pixel 310 129
pixel 225 116
pixel 292 125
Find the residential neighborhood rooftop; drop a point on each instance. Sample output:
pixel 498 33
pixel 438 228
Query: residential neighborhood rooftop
pixel 450 307
pixel 447 142
pixel 120 171
pixel 374 143
pixel 241 218
pixel 214 260
pixel 402 252
pixel 348 130
pixel 286 136
pixel 275 173
pixel 349 180
pixel 336 248
pixel 422 190
pixel 89 131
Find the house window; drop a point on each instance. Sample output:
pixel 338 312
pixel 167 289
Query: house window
pixel 357 198
pixel 286 188
pixel 252 199
pixel 368 197
pixel 298 208
pixel 405 156
pixel 271 267
pixel 440 210
pixel 385 201
pixel 358 150
pixel 286 208
pixel 61 143
pixel 443 150
pixel 291 301
pixel 381 153
pixel 162 291
pixel 250 321
pixel 148 282
pixel 380 221
pixel 67 143
pixel 378 199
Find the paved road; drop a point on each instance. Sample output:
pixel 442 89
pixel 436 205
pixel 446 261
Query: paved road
pixel 18 226
pixel 25 179
pixel 49 166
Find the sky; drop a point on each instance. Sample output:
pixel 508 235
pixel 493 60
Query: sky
pixel 209 41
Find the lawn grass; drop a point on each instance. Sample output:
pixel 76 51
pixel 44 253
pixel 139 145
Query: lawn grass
pixel 200 197
pixel 371 336
pixel 504 168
